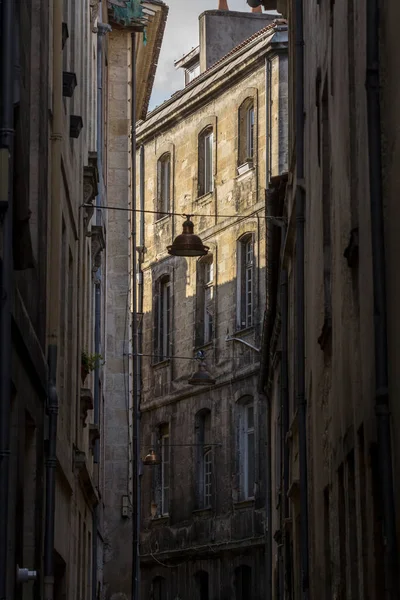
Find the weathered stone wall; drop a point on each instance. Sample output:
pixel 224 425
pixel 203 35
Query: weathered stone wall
pixel 346 546
pixel 118 531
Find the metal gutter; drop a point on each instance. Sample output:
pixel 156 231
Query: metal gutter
pixel 6 270
pixel 382 401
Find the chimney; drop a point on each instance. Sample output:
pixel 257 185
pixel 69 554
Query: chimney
pixel 258 9
pixel 221 30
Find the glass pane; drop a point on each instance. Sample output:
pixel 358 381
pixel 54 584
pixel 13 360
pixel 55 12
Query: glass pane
pixel 250 465
pixel 250 417
pixel 166 500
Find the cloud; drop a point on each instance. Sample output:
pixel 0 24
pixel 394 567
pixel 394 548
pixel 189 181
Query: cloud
pixel 181 35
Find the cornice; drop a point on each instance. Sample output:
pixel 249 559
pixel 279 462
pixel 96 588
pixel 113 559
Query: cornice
pixel 250 64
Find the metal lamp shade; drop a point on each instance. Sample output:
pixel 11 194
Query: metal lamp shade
pixel 187 243
pixel 202 376
pixel 151 459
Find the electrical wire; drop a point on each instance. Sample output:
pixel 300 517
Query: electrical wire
pixel 183 215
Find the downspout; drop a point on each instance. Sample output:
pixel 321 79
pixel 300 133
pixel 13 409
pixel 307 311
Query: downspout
pixel 55 295
pixel 267 120
pixel 135 386
pixel 102 29
pixel 285 429
pixel 382 405
pixel 300 316
pixel 142 251
pixel 6 270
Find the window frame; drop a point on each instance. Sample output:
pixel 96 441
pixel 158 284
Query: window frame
pixel 207 476
pixel 205 169
pixel 205 301
pixel 246 282
pixel 163 319
pixel 204 471
pixel 164 462
pixel 164 188
pixel 247 458
pixel 246 147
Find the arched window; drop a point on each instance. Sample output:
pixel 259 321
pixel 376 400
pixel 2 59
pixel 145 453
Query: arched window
pixel 246 132
pixel 205 167
pixel 245 281
pixel 163 185
pixel 162 319
pixel 246 447
pixel 243 584
pixel 201 581
pixel 204 466
pixel 205 300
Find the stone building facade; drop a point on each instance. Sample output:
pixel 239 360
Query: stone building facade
pixel 203 152
pixel 117 381
pixel 335 519
pixel 52 438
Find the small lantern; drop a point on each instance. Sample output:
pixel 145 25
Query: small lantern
pixel 69 84
pixel 75 126
pixel 151 459
pixel 187 243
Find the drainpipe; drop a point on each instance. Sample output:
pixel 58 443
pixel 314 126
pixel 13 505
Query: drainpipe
pixel 6 270
pixel 136 404
pixel 382 405
pixel 102 29
pixel 300 317
pixel 285 429
pixel 54 285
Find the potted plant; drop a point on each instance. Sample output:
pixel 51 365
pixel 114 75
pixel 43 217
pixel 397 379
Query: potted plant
pixel 88 364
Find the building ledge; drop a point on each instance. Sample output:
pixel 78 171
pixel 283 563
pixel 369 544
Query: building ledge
pixel 243 504
pixel 85 479
pixel 202 512
pixel 159 521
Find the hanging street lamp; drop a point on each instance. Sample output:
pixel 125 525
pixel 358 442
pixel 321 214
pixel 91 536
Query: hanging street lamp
pixel 187 243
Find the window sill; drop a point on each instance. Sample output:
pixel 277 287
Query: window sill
pixel 163 520
pixel 163 219
pixel 243 504
pixel 244 331
pixel 205 198
pixel 202 512
pixel 207 346
pixel 161 363
pixel 245 168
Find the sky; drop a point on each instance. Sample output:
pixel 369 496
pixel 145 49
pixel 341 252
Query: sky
pixel 181 35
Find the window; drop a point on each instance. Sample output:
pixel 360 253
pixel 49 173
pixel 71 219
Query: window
pixel 243 583
pixel 192 72
pixel 247 448
pixel 163 185
pixel 205 174
pixel 161 472
pixel 246 132
pixel 201 580
pixel 207 476
pixel 245 282
pixel 165 462
pixel 163 319
pixel 204 467
pixel 205 301
pixel 159 591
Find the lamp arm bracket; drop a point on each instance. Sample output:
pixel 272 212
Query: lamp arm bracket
pixel 235 339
